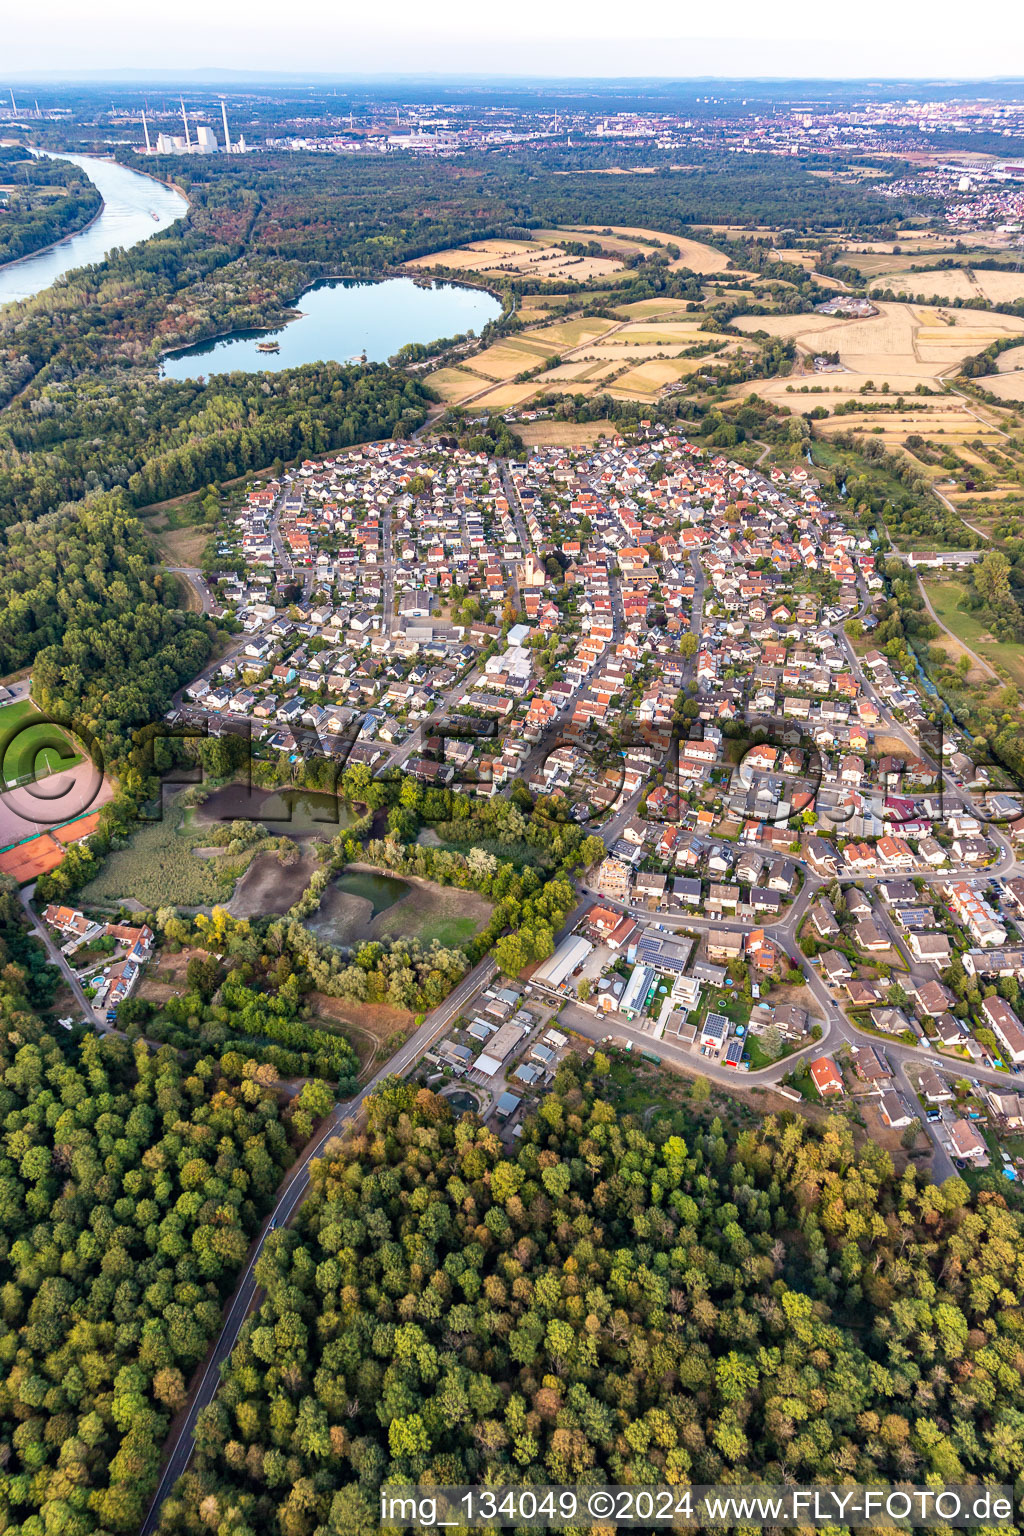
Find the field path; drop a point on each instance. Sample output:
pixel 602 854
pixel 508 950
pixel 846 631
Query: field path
pixel 978 660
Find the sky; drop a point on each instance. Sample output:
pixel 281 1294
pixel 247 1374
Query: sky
pixel 587 38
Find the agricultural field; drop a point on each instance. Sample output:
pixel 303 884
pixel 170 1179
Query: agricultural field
pixel 454 384
pixel 649 377
pixel 569 334
pixel 951 283
pixel 957 283
pixel 694 255
pixel 1011 360
pixel 564 434
pixel 588 354
pixel 535 307
pixel 903 345
pixel 1006 386
pixel 542 258
pixel 655 309
pixel 806 259
pixel 505 395
pixel 503 361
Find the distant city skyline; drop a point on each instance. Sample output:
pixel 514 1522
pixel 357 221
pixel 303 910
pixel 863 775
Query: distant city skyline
pixel 575 40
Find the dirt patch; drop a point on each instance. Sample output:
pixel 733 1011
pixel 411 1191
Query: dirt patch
pixel 890 746
pixel 373 1029
pixel 179 546
pixel 889 1139
pixel 268 886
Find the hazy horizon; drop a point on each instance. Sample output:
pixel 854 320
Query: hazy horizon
pixel 60 39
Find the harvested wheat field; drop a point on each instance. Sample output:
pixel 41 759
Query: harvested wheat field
pixel 1001 287
pixel 645 381
pixel 955 283
pixel 902 346
pixel 504 395
pixel 581 369
pixel 566 335
pixel 1011 360
pixel 500 362
pixel 540 258
pixel 1005 386
pixel 694 255
pixel 565 434
pixel 454 384
pixel 655 309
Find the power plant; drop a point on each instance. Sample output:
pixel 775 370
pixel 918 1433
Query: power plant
pixel 204 143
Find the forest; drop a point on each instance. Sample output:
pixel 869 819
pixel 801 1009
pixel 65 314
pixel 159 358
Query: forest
pixel 63 442
pixel 49 199
pixel 131 1188
pixel 80 596
pixel 610 1303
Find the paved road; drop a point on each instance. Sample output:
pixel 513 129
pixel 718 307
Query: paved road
pixel 197 581
pixel 90 1015
pixel 290 1197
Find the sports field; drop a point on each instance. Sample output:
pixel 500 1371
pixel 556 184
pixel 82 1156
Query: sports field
pixel 32 750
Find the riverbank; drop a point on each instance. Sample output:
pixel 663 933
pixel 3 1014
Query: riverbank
pixel 134 206
pixel 53 245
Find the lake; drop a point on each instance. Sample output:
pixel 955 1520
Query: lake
pixel 339 320
pixel 130 201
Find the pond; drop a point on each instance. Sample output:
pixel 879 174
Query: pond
pixel 351 903
pixel 135 207
pixel 463 1103
pixel 294 813
pixel 340 320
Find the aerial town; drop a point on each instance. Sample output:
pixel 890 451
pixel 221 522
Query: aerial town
pixel 511 790
pixel 641 573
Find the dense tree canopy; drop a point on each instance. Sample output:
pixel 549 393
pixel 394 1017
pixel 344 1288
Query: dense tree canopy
pixel 611 1304
pixel 130 1188
pixel 49 199
pixel 79 595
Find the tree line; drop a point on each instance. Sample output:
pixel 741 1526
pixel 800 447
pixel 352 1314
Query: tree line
pixel 610 1302
pixel 131 1185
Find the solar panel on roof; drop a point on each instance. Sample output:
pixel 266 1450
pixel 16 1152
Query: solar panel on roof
pixel 649 947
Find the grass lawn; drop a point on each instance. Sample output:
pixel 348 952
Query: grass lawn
pixel 968 627
pixel 759 1056
pixel 731 1004
pixel 435 913
pixel 32 750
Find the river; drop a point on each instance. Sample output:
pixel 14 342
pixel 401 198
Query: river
pixel 130 201
pixel 340 320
